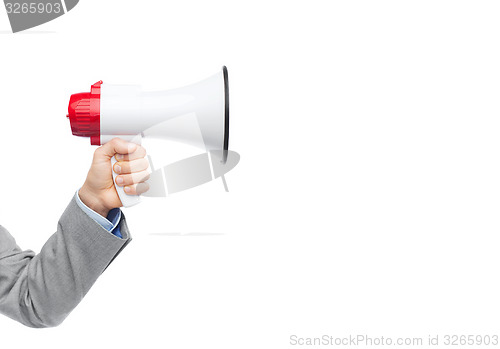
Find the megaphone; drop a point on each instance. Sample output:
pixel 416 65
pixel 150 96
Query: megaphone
pixel 197 114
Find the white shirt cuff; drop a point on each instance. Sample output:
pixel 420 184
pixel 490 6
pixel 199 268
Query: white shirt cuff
pixel 108 223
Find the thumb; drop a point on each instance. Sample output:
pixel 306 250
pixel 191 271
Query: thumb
pixel 117 146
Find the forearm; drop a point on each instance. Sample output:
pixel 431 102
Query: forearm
pixel 43 289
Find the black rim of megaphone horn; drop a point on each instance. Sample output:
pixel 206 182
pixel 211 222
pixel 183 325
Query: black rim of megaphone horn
pixel 226 115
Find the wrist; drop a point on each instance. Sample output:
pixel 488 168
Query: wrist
pixel 92 201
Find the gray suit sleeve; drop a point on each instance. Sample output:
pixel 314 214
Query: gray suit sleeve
pixel 40 290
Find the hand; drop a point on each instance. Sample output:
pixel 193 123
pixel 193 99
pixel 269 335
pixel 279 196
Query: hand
pixel 98 192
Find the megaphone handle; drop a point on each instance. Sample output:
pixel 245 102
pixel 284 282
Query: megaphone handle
pixel 127 200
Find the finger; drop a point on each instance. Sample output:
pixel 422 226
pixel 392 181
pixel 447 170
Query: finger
pixel 136 189
pixel 140 152
pixel 133 178
pixel 117 145
pixel 126 167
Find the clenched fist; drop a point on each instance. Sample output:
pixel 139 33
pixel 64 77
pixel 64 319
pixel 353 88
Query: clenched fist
pixel 98 192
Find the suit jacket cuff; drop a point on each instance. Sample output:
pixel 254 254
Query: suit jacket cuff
pixel 100 247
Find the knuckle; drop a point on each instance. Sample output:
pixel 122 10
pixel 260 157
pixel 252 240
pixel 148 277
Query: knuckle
pixel 113 142
pixel 125 167
pixel 139 177
pixel 127 180
pixel 142 188
pixel 144 177
pixel 144 163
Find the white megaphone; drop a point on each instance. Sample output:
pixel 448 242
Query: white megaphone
pixel 197 114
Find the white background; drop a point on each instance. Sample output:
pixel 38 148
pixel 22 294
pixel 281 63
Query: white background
pixel 366 201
